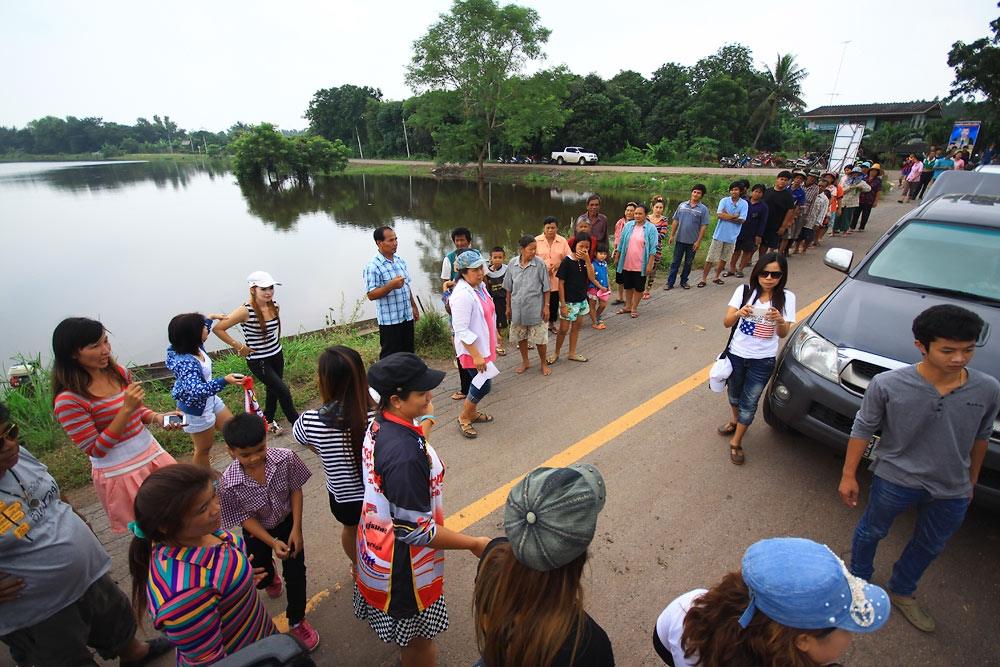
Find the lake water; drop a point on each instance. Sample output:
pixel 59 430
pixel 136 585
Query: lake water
pixel 134 243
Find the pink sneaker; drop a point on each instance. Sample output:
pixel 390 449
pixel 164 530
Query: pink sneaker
pixel 305 634
pixel 274 589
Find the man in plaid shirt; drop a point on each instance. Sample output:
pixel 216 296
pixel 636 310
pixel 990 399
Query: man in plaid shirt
pixel 387 282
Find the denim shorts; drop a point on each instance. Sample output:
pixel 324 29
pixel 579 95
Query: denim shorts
pixel 206 420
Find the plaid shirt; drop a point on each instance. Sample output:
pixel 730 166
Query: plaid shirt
pixel 242 497
pixel 394 307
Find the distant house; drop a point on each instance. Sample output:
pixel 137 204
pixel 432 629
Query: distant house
pixel 914 114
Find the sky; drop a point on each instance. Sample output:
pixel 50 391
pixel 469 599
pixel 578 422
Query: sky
pixel 210 64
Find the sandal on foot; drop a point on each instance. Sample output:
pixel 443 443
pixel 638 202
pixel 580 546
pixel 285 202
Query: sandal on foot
pixel 467 431
pixel 739 274
pixel 577 357
pixel 501 352
pixel 458 396
pixel 617 302
pixel 719 281
pixel 634 315
pixel 599 326
pixel 482 418
pixel 736 455
pixel 622 311
pixel 645 296
pixel 551 359
pixel 701 283
pixel 727 429
pixel 685 286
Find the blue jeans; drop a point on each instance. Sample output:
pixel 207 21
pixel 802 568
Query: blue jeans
pixel 747 383
pixel 685 251
pixel 476 395
pixel 937 521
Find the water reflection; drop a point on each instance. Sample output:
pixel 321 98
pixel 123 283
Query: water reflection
pixel 90 177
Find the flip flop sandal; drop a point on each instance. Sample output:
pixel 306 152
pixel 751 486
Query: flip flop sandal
pixel 701 283
pixel 622 311
pixel 551 359
pixel 458 396
pixel 501 352
pixel 739 274
pixel 634 315
pixel 736 455
pixel 719 281
pixel 726 274
pixel 482 418
pixel 617 302
pixel 645 296
pixel 599 326
pixel 467 431
pixel 531 346
pixel 685 287
pixel 727 429
pixel 578 357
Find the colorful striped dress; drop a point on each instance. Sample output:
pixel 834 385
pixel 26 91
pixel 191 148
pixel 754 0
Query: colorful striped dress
pixel 204 601
pixel 119 462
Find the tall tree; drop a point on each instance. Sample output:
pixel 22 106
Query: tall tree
pixel 339 112
pixel 977 73
pixel 668 97
pixel 717 111
pixel 781 89
pixel 476 51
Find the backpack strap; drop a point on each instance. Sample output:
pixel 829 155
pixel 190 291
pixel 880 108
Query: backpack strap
pixel 732 332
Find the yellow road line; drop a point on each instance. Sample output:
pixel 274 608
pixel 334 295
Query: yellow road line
pixel 481 508
pixel 281 621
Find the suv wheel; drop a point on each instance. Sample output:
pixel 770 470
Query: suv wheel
pixel 770 418
pixel 560 160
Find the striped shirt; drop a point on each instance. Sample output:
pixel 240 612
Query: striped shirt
pixel 204 600
pixel 333 445
pixel 263 343
pixel 242 497
pixel 87 420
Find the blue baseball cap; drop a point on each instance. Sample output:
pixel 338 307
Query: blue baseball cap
pixel 469 259
pixel 802 584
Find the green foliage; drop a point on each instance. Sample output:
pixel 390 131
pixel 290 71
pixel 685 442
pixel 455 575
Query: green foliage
pixel 976 76
pixel 796 139
pixel 779 89
pixel 262 152
pixel 718 111
pixel 340 112
pixel 886 138
pixel 470 62
pixel 432 335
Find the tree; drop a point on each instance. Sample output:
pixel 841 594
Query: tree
pixel 781 89
pixel 718 112
pixel 669 96
pixel 604 119
pixel 263 151
pixel 476 52
pixel 338 112
pixel 977 72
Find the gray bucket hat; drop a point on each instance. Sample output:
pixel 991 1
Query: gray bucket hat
pixel 551 515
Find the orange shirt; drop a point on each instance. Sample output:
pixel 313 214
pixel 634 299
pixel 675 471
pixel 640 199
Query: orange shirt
pixel 552 254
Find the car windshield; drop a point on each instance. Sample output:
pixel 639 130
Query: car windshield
pixel 941 257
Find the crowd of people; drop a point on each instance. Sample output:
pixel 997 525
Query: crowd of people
pixel 790 602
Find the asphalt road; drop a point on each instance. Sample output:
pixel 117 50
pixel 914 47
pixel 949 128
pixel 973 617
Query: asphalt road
pixel 679 515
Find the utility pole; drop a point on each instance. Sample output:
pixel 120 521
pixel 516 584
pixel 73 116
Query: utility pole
pixel 406 139
pixel 358 135
pixel 836 79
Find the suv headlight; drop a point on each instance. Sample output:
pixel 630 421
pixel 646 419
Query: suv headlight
pixel 816 353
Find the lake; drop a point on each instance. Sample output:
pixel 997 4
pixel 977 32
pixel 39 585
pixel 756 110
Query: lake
pixel 134 243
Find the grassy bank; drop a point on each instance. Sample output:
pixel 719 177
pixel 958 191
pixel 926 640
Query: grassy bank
pixel 42 435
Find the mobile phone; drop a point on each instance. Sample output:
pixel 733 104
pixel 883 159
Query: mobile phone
pixel 170 420
pixel 239 376
pixel 760 311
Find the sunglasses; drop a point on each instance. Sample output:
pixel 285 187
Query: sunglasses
pixel 11 433
pixel 771 274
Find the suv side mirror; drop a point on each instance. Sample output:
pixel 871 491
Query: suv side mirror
pixel 839 259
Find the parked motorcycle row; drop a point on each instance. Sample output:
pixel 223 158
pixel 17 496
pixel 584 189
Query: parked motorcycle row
pixel 766 160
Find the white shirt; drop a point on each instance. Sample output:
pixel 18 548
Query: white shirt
pixel 670 626
pixel 756 337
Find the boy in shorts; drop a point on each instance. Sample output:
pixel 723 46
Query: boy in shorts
pixel 751 232
pixel 495 272
pixel 573 274
pixel 526 284
pixel 599 290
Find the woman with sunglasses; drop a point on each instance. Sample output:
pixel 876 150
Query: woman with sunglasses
pixel 760 314
pixel 195 390
pixel 261 325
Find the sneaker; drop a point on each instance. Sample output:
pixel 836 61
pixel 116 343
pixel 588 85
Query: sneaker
pixel 275 428
pixel 911 610
pixel 275 587
pixel 305 634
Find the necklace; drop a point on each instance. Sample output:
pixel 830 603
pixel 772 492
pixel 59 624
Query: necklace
pixel 33 502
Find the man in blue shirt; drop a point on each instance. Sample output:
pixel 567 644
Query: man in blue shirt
pixel 942 164
pixel 387 282
pixel 687 229
pixel 732 214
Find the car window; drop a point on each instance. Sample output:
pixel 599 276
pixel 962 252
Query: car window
pixel 938 255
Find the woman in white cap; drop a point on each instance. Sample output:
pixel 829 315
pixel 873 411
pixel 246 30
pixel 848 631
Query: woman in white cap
pixel 793 604
pixel 528 599
pixel 261 324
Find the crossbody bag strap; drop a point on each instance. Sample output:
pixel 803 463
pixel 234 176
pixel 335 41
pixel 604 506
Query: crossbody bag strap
pixel 732 332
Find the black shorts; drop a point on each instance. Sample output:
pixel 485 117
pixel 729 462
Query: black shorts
pixel 633 280
pixel 619 278
pixel 102 619
pixel 746 245
pixel 807 234
pixel 348 514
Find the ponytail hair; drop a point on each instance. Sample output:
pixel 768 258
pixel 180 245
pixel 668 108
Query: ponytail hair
pixel 161 507
pixel 261 323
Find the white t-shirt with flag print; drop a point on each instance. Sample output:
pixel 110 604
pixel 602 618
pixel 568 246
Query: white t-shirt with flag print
pixel 756 337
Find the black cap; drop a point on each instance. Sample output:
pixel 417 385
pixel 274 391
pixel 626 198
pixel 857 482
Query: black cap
pixel 402 371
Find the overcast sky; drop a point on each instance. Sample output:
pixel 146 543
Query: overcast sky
pixel 210 64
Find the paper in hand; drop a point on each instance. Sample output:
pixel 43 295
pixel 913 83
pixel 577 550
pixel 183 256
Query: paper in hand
pixel 481 377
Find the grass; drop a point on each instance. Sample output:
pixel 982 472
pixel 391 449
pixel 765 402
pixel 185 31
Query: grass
pixel 31 408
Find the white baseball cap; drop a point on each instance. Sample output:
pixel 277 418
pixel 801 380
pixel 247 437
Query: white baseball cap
pixel 261 279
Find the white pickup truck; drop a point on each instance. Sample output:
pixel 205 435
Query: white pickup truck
pixel 574 155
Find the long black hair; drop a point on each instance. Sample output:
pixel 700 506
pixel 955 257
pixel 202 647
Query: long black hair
pixel 778 293
pixel 70 336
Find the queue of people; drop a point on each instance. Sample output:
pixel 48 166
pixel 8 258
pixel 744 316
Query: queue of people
pixel 792 601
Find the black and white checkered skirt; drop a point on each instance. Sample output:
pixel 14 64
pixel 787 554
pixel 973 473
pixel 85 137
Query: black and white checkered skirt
pixel 427 624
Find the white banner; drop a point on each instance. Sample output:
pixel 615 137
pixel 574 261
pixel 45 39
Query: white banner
pixel 846 141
